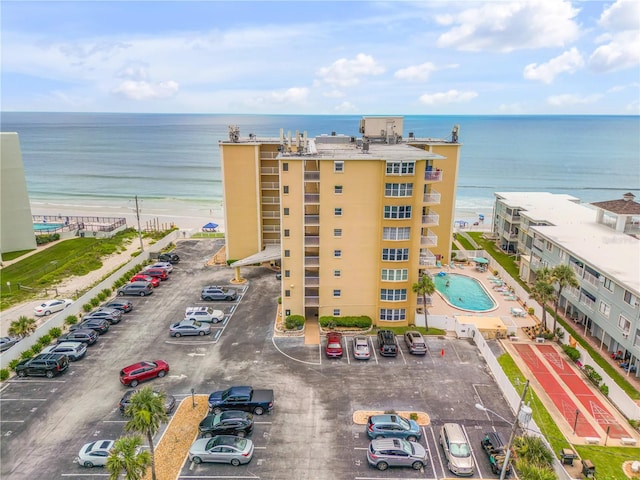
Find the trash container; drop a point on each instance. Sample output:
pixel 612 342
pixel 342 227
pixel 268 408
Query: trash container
pixel 568 456
pixel 588 469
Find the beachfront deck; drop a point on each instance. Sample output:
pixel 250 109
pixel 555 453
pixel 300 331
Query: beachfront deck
pixel 48 224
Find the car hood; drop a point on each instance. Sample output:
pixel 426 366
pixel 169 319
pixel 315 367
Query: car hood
pixel 215 397
pixel 419 450
pixel 199 446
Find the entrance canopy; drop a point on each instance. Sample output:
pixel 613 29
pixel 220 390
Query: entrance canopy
pixel 270 252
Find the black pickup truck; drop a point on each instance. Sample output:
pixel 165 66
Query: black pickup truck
pixel 169 257
pixel 241 398
pixel 495 448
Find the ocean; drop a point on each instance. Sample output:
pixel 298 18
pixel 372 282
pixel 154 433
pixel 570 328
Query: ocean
pixel 172 161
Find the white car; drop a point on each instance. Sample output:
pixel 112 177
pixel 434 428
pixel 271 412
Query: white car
pixel 204 314
pixel 51 306
pixel 74 350
pixel 95 454
pixel 166 265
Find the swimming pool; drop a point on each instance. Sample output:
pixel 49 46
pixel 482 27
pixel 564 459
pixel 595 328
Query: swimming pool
pixel 465 293
pixel 43 227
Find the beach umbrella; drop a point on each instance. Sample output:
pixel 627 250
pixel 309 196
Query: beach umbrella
pixel 480 260
pixel 210 227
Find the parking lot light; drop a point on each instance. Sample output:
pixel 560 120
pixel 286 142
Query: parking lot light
pixel 193 398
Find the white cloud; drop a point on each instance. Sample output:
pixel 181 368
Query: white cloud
pixel 141 90
pixel 452 96
pixel 620 88
pixel 572 99
pixel 334 94
pixel 139 71
pixel 622 15
pixel 622 52
pixel 346 107
pixel 415 73
pixel 290 95
pixel 633 107
pixel 568 62
pixel 509 26
pixel 511 108
pixel 347 73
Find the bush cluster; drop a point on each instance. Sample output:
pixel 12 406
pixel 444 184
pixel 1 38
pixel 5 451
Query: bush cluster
pixel 571 352
pixel 47 238
pixel 592 375
pixel 294 322
pixel 361 321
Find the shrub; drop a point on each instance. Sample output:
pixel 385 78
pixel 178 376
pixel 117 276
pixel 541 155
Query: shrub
pixel 294 322
pixel 592 375
pixel 531 310
pixel 71 320
pixel 26 354
pixel 4 374
pixel 571 352
pixel 55 332
pixel 13 363
pixel 101 296
pixel 44 340
pixel 413 416
pixel 532 450
pixel 361 321
pixel 95 301
pixel 107 292
pixel 279 300
pixel 36 349
pixel 604 388
pixel 87 307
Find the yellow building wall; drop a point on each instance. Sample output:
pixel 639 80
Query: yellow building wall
pixel 447 188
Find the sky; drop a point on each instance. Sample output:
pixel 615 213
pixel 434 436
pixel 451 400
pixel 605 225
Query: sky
pixel 330 57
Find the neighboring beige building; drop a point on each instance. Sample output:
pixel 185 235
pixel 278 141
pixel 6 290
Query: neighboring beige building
pixel 16 223
pixel 352 220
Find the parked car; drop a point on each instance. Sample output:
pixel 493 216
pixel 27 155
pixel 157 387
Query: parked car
pixel 141 289
pixel 387 343
pixel 166 265
pixel 222 449
pixel 95 454
pixel 243 398
pixel 51 306
pixel 189 327
pixel 231 422
pixel 85 335
pixel 396 452
pixel 204 314
pixel 169 257
pixel 361 349
pixel 334 345
pixel 213 292
pixel 7 342
pixel 125 306
pixel 141 277
pixel 393 425
pixel 125 401
pixel 415 342
pixel 100 325
pixel 457 450
pixel 43 365
pixel 132 375
pixel 111 315
pixel 157 272
pixel 74 350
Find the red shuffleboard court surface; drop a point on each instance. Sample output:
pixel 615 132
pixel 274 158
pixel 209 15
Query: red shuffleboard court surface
pixel 555 391
pixel 599 411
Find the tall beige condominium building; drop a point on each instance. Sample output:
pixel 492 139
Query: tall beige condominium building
pixel 354 220
pixel 16 223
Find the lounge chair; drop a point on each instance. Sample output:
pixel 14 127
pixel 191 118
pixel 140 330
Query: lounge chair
pixel 511 298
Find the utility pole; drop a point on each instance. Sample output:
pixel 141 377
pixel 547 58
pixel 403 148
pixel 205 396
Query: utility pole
pixel 513 433
pixel 139 229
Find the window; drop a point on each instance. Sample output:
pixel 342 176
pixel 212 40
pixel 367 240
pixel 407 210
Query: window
pixel 337 189
pixel 337 273
pixel 393 314
pixel 286 232
pixel 337 211
pixel 337 232
pixel 391 295
pixel 286 210
pixel 630 298
pixel 287 293
pixel 395 254
pixel 337 292
pixel 397 211
pixel 336 312
pixel 563 255
pixel 287 273
pixel 548 246
pixel 624 323
pixel 400 168
pixel 285 167
pixel 607 283
pixel 285 189
pixel 287 253
pixel 395 275
pixel 396 233
pixel 337 253
pixel 338 167
pixel 398 189
pixel 605 309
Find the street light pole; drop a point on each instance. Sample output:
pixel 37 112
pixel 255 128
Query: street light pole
pixel 575 423
pixel 507 457
pixel 139 229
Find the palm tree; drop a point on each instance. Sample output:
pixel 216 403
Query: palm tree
pixel 126 455
pixel 22 327
pixel 424 287
pixel 542 292
pixel 564 276
pixel 147 412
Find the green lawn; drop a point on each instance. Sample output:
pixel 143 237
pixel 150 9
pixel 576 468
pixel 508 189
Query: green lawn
pixel 8 256
pixel 464 242
pixel 208 235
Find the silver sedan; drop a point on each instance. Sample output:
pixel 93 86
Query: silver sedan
pixel 189 327
pixel 222 449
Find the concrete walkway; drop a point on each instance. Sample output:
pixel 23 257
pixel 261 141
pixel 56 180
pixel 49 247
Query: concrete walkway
pixel 311 332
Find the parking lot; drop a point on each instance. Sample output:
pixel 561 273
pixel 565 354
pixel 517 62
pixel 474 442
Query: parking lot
pixel 311 433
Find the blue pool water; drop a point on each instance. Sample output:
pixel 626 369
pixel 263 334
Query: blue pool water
pixel 464 292
pixel 41 227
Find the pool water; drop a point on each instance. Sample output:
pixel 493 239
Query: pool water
pixel 464 292
pixel 39 227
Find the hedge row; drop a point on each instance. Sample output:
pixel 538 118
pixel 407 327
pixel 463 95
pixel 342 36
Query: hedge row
pixel 361 321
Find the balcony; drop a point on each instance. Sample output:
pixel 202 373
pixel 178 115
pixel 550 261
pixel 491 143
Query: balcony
pixel 310 220
pixel 311 301
pixel 431 220
pixel 270 200
pixel 271 241
pixel 590 304
pixel 433 175
pixel 312 176
pixel 311 241
pixel 270 185
pixel 270 214
pixel 310 261
pixel 429 240
pixel 577 270
pixel 427 258
pixel 269 155
pixel 539 244
pixel 312 198
pixel 269 170
pixel 312 281
pixel 592 279
pixel 271 228
pixel 431 198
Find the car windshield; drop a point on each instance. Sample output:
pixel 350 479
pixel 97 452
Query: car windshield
pixel 334 345
pixel 237 442
pixel 404 423
pixel 459 449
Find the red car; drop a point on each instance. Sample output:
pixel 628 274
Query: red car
pixel 157 272
pixel 142 277
pixel 141 371
pixel 334 345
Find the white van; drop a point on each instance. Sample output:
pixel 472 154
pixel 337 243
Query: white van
pixel 456 449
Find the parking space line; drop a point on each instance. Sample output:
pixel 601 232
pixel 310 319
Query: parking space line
pixel 473 454
pixel 23 399
pixel 25 381
pixel 11 421
pixel 346 346
pixel 273 341
pixel 217 476
pixel 436 443
pixel 115 421
pixel 424 435
pixel 373 349
pixel 401 353
pixel 85 474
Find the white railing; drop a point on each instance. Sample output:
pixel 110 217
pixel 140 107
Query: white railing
pixel 271 228
pixel 429 240
pixel 431 219
pixel 271 200
pixel 590 304
pixel 270 185
pixel 433 198
pixel 311 198
pixel 269 170
pixel 270 214
pixel 311 301
pixel 311 240
pixel 592 279
pixel 312 219
pixel 312 281
pixel 311 261
pixel 269 155
pixel 271 241
pixel 433 175
pixel 311 176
